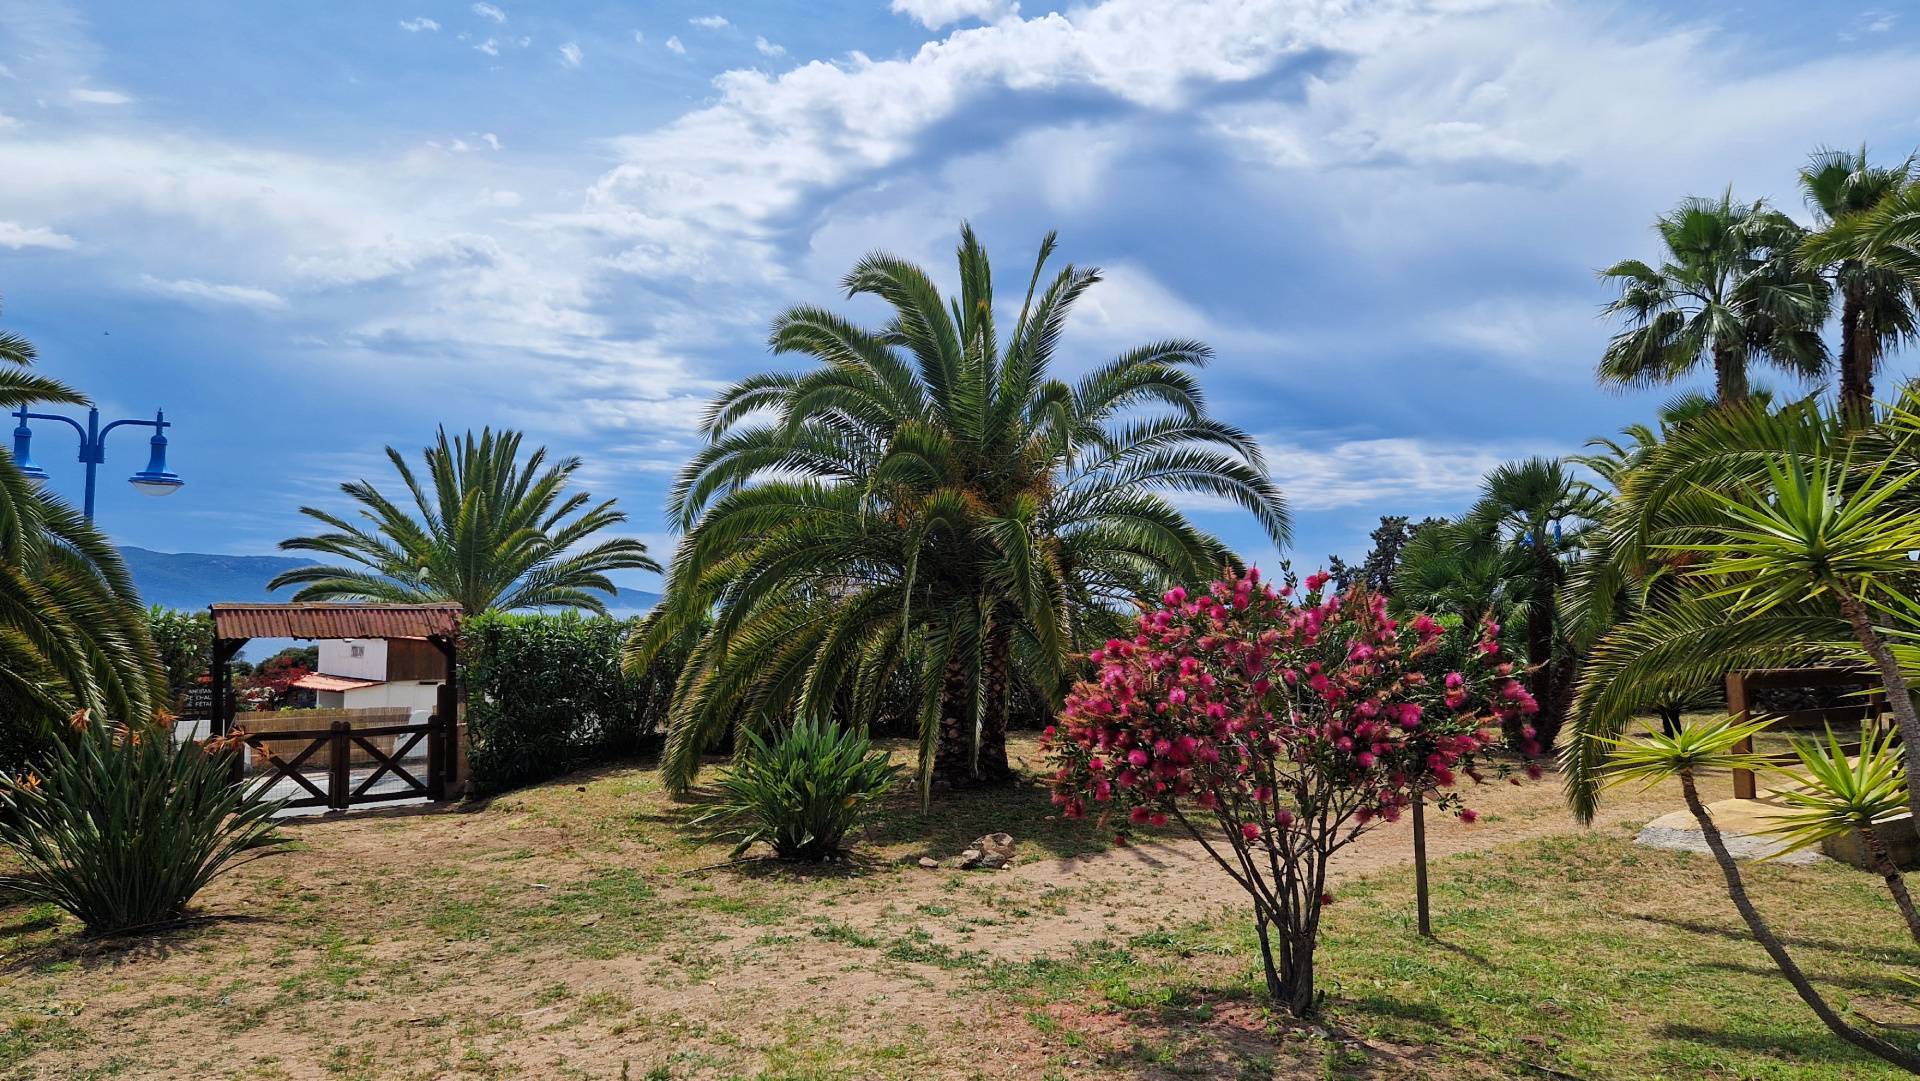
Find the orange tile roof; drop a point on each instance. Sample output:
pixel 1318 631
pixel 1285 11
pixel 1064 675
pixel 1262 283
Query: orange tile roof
pixel 335 620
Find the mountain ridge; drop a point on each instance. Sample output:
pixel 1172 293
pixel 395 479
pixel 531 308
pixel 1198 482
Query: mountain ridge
pixel 197 579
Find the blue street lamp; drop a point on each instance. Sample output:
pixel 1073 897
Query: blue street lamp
pixel 155 479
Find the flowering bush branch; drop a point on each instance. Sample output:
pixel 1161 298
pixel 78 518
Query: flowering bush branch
pixel 1276 727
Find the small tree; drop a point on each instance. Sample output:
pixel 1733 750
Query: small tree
pixel 184 641
pixel 1276 731
pixel 1714 745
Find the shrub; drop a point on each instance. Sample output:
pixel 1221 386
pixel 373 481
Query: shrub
pixel 547 694
pixel 184 641
pixel 125 826
pixel 1276 731
pixel 802 793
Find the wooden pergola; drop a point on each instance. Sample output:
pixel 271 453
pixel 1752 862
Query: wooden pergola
pixel 234 625
pixel 1871 707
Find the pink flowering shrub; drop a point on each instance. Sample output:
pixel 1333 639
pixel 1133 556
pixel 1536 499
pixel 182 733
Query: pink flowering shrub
pixel 1276 727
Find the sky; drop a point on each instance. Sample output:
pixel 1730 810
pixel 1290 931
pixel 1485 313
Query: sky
pixel 311 231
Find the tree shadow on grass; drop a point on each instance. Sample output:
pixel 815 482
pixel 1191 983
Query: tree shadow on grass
pixel 1857 982
pixel 1885 954
pixel 1811 1046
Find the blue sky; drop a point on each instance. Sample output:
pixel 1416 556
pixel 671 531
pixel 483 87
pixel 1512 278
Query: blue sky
pixel 310 231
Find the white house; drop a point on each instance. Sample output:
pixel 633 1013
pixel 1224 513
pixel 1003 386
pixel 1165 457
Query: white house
pixel 360 673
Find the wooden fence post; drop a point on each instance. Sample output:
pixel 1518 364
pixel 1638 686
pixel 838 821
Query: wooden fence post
pixel 339 772
pixel 1743 780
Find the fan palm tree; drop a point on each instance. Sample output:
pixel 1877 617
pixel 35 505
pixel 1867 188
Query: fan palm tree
pixel 1731 290
pixel 73 634
pixel 492 532
pixel 1879 305
pixel 930 491
pixel 1545 510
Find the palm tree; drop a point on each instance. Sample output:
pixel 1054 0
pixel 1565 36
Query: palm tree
pixel 1730 291
pixel 1655 758
pixel 1879 305
pixel 930 494
pixel 491 533
pixel 1534 514
pixel 73 634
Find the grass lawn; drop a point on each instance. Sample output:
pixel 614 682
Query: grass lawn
pixel 576 930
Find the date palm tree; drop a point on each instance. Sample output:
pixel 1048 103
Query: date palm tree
pixel 1729 291
pixel 930 493
pixel 73 634
pixel 1879 305
pixel 487 530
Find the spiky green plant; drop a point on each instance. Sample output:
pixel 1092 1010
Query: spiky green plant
pixel 1813 533
pixel 492 532
pixel 1650 759
pixel 121 827
pixel 801 792
pixel 1836 793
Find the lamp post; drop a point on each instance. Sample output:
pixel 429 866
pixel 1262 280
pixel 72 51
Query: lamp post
pixel 153 480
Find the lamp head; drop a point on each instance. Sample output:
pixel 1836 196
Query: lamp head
pixel 155 479
pixel 22 454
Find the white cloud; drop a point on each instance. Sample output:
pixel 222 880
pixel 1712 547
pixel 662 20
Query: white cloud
pixel 708 22
pixel 16 236
pixel 639 38
pixel 1870 22
pixel 768 48
pixel 194 290
pixel 489 11
pixel 570 54
pixel 674 46
pixel 414 26
pixel 1327 474
pixel 934 14
pixel 8 123
pixel 492 140
pixel 86 95
pixel 491 47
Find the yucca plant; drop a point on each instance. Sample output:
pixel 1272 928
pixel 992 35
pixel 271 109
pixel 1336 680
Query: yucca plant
pixel 1837 794
pixel 1810 534
pixel 800 793
pixel 1656 757
pixel 124 826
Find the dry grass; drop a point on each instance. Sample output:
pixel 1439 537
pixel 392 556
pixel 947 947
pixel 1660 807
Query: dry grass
pixel 565 931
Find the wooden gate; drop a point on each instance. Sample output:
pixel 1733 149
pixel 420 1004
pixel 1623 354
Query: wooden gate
pixel 340 758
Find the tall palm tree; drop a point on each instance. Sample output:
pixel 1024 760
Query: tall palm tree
pixel 1730 291
pixel 1879 305
pixel 1547 511
pixel 491 532
pixel 73 634
pixel 930 493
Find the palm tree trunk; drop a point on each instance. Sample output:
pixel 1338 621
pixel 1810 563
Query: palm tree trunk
pixel 953 746
pixel 1737 890
pixel 1729 375
pixel 1883 865
pixel 1891 678
pixel 1856 364
pixel 997 689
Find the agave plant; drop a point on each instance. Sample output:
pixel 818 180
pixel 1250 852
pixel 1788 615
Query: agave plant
pixel 1840 793
pixel 801 793
pixel 1716 744
pixel 124 825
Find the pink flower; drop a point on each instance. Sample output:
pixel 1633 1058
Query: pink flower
pixel 1469 815
pixel 1250 830
pixel 1137 816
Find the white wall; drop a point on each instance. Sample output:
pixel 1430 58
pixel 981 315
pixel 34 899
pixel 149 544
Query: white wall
pixel 419 697
pixel 337 659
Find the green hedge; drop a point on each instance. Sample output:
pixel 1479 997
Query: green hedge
pixel 546 694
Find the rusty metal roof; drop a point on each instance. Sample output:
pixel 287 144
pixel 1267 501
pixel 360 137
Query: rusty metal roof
pixel 316 620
